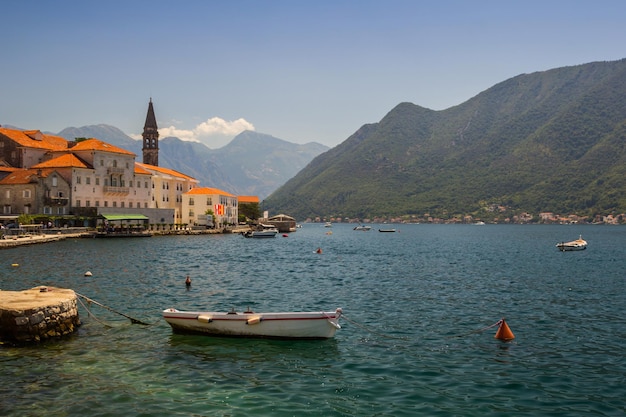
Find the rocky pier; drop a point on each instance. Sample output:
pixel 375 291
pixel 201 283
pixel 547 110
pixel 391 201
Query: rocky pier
pixel 37 314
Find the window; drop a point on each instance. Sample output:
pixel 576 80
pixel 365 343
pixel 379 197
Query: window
pixel 97 181
pixel 6 209
pixel 115 163
pixel 130 204
pixel 102 162
pixel 106 204
pixel 77 179
pixel 7 194
pixel 47 210
pixel 122 204
pixel 87 203
pixel 77 203
pixel 26 194
pixel 115 204
pixel 97 203
pixel 54 181
pixel 88 180
pixel 191 203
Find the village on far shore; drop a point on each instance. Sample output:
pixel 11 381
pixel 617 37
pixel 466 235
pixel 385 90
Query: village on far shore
pixel 48 183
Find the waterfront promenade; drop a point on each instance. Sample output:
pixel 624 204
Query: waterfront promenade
pixel 55 235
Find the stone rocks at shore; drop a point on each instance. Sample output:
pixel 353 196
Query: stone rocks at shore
pixel 37 314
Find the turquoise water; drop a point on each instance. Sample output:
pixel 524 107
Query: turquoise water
pixel 416 301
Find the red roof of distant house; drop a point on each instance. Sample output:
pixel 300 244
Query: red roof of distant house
pixel 166 171
pixel 35 139
pixel 248 199
pixel 25 176
pixel 93 144
pixel 68 160
pixel 208 191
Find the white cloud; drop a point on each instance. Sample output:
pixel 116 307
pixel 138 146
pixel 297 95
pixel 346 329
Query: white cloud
pixel 214 132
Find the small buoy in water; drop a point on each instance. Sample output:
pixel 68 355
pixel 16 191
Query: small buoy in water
pixel 88 274
pixel 15 264
pixel 504 332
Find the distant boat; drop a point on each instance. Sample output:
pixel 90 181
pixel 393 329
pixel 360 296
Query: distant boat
pixel 578 244
pixel 328 224
pixel 387 230
pixel 263 231
pixel 303 325
pixel 363 228
pixel 479 223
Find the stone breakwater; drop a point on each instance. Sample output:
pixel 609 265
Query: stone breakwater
pixel 37 314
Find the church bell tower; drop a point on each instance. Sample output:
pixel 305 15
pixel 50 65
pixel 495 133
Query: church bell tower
pixel 150 138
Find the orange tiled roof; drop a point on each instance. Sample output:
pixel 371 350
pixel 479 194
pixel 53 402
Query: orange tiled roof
pixel 208 191
pixel 248 199
pixel 24 176
pixel 141 170
pixel 166 171
pixel 35 139
pixel 67 160
pixel 93 144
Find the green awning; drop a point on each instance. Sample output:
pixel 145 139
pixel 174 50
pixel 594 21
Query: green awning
pixel 114 217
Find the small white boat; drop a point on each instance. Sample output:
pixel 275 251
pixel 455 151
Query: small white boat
pixel 578 244
pixel 387 230
pixel 328 224
pixel 304 325
pixel 363 228
pixel 263 231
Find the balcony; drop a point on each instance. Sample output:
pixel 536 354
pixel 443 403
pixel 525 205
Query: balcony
pixel 108 189
pixel 56 201
pixel 114 170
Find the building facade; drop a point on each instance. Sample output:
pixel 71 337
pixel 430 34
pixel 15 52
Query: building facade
pixel 199 201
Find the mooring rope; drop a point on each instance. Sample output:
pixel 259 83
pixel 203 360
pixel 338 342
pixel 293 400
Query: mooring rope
pixel 132 320
pixel 499 322
pixel 363 327
pixel 93 315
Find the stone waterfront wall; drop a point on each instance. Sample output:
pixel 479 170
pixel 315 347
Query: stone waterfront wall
pixel 39 323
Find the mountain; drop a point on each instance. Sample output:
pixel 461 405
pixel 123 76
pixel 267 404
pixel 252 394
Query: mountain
pixel 549 141
pixel 251 164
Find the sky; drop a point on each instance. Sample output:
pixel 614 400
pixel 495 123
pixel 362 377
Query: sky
pixel 301 71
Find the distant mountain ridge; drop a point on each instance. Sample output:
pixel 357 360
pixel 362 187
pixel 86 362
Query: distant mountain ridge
pixel 251 164
pixel 551 141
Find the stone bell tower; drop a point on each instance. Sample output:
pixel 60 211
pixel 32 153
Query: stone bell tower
pixel 150 138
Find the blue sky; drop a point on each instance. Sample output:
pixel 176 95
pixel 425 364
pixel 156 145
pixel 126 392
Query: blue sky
pixel 299 70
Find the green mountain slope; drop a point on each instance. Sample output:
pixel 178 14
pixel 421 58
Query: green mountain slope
pixel 547 141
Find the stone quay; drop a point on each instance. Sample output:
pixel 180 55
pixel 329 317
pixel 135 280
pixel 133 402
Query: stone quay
pixel 37 314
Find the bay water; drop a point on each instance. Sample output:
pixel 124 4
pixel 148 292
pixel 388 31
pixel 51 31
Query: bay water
pixel 417 338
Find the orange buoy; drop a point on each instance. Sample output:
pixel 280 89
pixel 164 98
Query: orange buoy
pixel 504 332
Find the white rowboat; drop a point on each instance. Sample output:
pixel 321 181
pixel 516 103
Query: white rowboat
pixel 303 325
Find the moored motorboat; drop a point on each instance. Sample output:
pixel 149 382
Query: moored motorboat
pixel 288 325
pixel 363 228
pixel 263 231
pixel 578 244
pixel 387 230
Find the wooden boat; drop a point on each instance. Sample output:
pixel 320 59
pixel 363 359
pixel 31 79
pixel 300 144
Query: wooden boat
pixel 578 244
pixel 303 325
